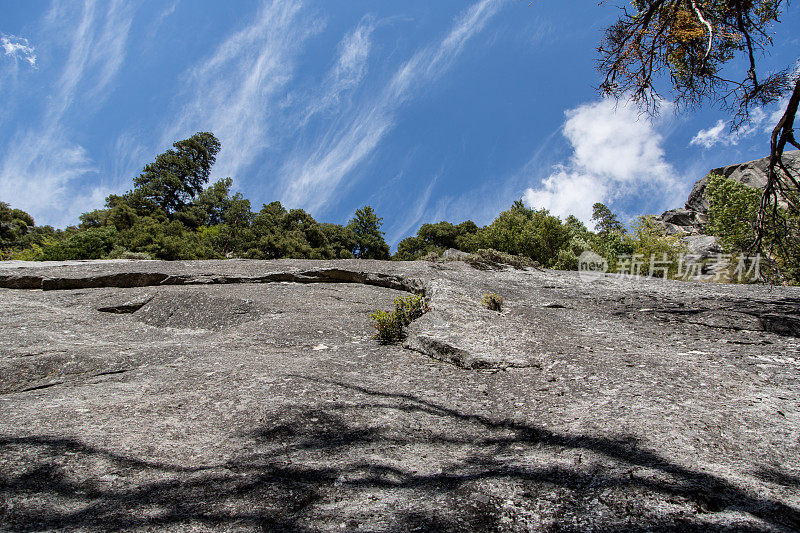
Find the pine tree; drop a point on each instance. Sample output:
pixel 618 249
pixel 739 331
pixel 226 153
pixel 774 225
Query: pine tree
pixel 366 226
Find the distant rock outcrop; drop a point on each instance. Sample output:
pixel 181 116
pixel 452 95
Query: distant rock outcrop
pixel 753 174
pixel 689 221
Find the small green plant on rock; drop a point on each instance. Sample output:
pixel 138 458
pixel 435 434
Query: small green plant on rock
pixel 410 308
pixel 492 301
pixel 387 327
pixel 390 326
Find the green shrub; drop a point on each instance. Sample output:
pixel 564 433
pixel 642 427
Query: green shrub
pixel 410 308
pixel 611 245
pixel 733 209
pixel 492 301
pixel 389 326
pixel 732 212
pixel 92 243
pixel 121 253
pixel 566 260
pixel 524 232
pixel 660 251
pixel 431 256
pixel 33 253
pixel 435 239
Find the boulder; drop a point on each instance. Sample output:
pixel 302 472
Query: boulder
pixel 702 246
pixel 456 255
pixel 752 173
pixel 672 229
pixel 691 219
pixel 681 221
pixel 681 217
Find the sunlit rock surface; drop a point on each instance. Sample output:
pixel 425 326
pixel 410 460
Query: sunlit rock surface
pixel 249 395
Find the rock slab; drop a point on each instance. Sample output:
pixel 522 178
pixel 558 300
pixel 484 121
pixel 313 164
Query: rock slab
pixel 250 395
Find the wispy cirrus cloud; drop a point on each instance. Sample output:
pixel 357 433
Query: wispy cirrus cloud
pixel 150 39
pixel 18 48
pixel 234 91
pixel 42 165
pixel 348 71
pixel 310 177
pixel 412 219
pixel 166 12
pixel 96 42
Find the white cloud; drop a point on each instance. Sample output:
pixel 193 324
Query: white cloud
pixel 349 70
pixel 42 165
pixel 233 92
pixel 19 48
pixel 760 122
pixel 711 136
pixel 568 193
pixel 310 177
pixel 616 153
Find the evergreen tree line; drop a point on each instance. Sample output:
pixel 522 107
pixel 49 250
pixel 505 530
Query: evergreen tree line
pixel 173 213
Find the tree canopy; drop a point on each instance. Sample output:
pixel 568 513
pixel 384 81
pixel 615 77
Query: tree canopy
pixel 693 42
pixel 606 220
pixel 212 222
pixel 178 175
pixel 369 242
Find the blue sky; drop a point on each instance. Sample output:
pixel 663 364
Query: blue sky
pixel 428 111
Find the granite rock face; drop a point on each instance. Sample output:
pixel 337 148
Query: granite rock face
pixel 689 222
pixel 752 173
pixel 249 395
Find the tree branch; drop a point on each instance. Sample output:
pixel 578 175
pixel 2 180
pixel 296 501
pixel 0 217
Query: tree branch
pixel 708 25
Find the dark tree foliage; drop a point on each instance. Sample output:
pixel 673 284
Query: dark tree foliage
pixel 692 42
pixel 436 238
pixel 520 231
pixel 276 232
pixel 11 228
pixel 170 215
pixel 18 232
pixel 179 174
pixel 531 233
pixel 214 223
pixel 369 242
pixel 576 228
pixel 733 207
pixel 92 243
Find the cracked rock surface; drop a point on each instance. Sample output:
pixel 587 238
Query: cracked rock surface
pixel 249 395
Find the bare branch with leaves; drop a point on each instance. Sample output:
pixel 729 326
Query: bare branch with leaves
pixel 699 46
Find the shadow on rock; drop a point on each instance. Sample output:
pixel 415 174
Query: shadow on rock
pixel 340 465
